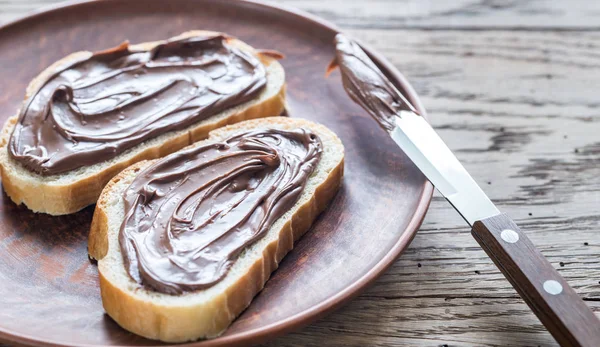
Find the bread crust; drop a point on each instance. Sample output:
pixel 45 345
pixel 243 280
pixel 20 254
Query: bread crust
pixel 191 320
pixel 55 196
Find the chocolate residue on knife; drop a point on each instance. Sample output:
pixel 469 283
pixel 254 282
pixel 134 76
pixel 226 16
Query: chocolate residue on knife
pixel 366 84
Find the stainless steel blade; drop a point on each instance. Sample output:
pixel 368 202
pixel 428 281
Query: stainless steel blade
pixel 373 91
pixel 431 155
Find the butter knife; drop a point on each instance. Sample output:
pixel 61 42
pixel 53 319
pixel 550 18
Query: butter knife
pixel 559 308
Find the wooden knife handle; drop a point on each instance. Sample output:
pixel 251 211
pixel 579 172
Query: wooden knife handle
pixel 559 308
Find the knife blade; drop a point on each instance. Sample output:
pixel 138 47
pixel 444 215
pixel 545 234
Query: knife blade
pixel 426 149
pixel 559 308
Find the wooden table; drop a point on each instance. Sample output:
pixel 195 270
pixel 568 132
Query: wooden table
pixel 513 88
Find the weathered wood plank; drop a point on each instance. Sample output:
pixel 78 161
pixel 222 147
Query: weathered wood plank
pixel 474 323
pixel 457 14
pixel 419 14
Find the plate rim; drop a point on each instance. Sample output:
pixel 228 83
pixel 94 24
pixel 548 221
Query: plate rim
pixel 323 308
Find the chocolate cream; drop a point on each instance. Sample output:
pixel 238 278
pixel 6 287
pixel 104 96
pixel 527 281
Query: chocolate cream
pixel 190 215
pixel 94 108
pixel 366 84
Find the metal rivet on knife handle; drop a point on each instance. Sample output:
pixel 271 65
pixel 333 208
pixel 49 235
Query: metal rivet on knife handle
pixel 553 287
pixel 509 235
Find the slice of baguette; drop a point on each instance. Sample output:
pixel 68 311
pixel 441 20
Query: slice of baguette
pixel 207 313
pixel 71 191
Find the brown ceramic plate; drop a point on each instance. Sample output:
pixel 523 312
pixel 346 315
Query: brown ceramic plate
pixel 49 290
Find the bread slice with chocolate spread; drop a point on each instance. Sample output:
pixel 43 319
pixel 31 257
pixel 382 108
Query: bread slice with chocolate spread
pixel 186 314
pixel 69 191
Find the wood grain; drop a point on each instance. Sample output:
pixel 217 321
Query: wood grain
pixel 564 314
pixel 513 91
pixel 457 14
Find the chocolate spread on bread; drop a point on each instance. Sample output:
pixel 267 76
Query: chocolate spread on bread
pixel 98 105
pixel 366 84
pixel 190 215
